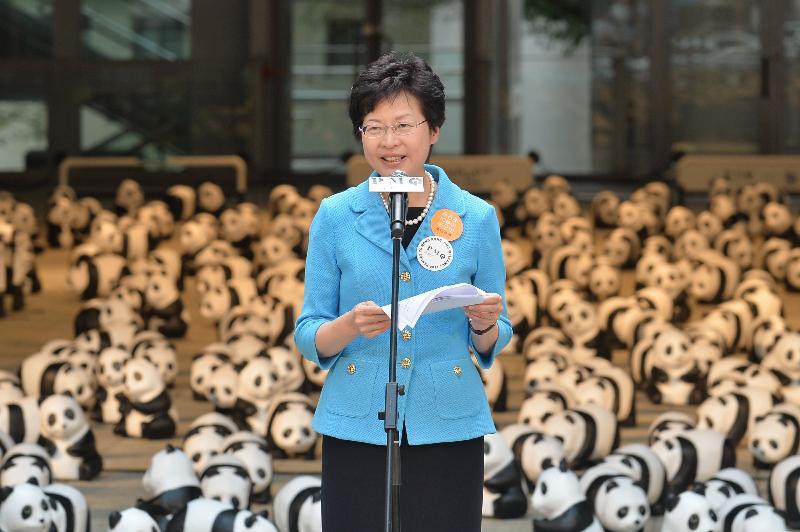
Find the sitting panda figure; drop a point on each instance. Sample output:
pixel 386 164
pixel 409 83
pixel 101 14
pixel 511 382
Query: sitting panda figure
pixel 203 366
pixel 205 515
pixel 545 401
pixel 25 508
pixel 689 511
pixel 783 489
pixel 536 453
pixel 581 326
pixel 589 433
pixel 750 513
pixel 26 462
pixel 225 478
pixel 289 433
pixel 68 439
pixel 287 363
pixel 257 384
pixel 612 388
pixel 694 456
pixel 131 520
pixel 252 451
pixel 205 437
pixel 70 511
pixel 146 407
pixel 219 299
pixel 502 482
pixel 298 505
pixel 163 310
pixel 222 392
pixel 618 503
pixel 161 354
pixel 559 504
pixel 170 483
pixel 641 464
pixel 234 229
pixel 775 435
pixel 110 371
pixel 726 484
pixel 19 419
pixel 494 384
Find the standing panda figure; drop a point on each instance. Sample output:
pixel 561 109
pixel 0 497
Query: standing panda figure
pixel 775 436
pixel 559 505
pixel 783 489
pixel 205 515
pixel 25 508
pixel 70 511
pixel 502 482
pixel 619 504
pixel 146 407
pixel 694 456
pixel 26 462
pixel 225 478
pixel 19 419
pixel 69 439
pixel 589 433
pixel 170 482
pixel 289 432
pixel 252 451
pixel 689 511
pixel 297 505
pixel 640 463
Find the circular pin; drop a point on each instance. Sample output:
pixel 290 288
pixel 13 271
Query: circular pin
pixel 447 224
pixel 434 253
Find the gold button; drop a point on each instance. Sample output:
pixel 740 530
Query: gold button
pixel 351 368
pixel 405 276
pixel 406 335
pixel 457 371
pixel 405 363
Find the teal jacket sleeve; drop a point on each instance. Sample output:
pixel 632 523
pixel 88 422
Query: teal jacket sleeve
pixel 321 294
pixel 490 276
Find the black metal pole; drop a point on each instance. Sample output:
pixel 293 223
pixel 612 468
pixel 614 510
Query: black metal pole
pixel 393 390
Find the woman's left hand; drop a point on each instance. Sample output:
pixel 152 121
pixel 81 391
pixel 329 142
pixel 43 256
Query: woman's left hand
pixel 485 314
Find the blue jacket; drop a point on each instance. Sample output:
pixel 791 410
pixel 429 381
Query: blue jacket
pixel 350 261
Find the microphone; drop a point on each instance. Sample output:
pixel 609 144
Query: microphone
pixel 398 185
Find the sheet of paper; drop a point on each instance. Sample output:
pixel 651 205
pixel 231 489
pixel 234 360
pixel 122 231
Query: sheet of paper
pixel 436 300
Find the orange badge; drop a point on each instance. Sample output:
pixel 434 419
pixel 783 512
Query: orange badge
pixel 447 224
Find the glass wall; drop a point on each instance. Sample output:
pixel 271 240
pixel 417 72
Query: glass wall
pixel 23 131
pixel 26 28
pixel 791 45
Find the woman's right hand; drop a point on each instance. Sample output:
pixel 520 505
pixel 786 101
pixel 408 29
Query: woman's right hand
pixel 369 320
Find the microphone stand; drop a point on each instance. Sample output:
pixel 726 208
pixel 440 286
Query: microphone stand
pixel 398 208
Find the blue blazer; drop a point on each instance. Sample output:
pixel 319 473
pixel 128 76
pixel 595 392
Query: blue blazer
pixel 349 261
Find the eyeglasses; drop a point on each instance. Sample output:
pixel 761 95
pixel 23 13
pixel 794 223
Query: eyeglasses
pixel 400 129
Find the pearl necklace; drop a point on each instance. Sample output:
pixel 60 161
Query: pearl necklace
pixel 421 217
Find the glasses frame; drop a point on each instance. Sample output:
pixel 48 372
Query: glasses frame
pixel 385 129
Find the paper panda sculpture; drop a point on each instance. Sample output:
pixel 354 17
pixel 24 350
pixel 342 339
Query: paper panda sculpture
pixel 689 511
pixel 68 439
pixel 589 433
pixel 544 402
pixel 750 513
pixel 613 389
pixel 222 392
pixel 25 508
pixel 26 462
pixel 69 507
pixel 536 453
pixel 205 437
pixel 783 489
pixel 131 520
pixel 110 366
pixel 170 481
pixel 559 504
pixel 725 484
pixel 225 478
pixel 641 464
pixel 19 419
pixel 205 515
pixel 252 451
pixel 203 366
pixel 502 482
pixel 494 384
pixel 694 456
pixel 257 384
pixel 775 435
pixel 298 505
pixel 734 414
pixel 289 433
pixel 164 311
pixel 618 503
pixel 145 404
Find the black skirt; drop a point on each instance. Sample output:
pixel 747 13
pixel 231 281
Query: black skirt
pixel 442 486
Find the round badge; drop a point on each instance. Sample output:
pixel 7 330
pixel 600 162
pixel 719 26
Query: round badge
pixel 434 253
pixel 447 224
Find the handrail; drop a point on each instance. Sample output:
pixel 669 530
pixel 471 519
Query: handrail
pixel 94 162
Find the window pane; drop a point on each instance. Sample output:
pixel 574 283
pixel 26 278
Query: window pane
pixel 26 28
pixel 23 130
pixel 137 29
pixel 791 44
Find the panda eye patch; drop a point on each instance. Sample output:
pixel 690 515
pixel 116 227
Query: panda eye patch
pixel 773 444
pixel 27 511
pixel 543 488
pixel 51 419
pixel 287 433
pixel 694 522
pixel 622 512
pixel 70 414
pixel 137 376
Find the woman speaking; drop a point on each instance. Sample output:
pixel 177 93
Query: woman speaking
pixel 397 106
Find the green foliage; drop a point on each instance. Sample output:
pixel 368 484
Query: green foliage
pixel 564 20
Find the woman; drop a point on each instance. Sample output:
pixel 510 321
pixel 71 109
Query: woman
pixel 397 109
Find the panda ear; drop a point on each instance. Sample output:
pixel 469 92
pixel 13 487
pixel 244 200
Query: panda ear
pixel 281 408
pixel 562 466
pixel 170 448
pixel 113 519
pixel 250 521
pixel 5 492
pixel 612 484
pixel 784 420
pixel 547 463
pixel 672 502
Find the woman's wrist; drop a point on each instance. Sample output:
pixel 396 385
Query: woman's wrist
pixel 481 327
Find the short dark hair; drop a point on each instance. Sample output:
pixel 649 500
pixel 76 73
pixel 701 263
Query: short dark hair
pixel 388 76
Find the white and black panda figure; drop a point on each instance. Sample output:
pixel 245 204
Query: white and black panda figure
pixel 252 450
pixel 234 229
pixel 783 489
pixel 287 363
pixel 19 419
pixel 298 505
pixel 604 208
pixel 109 373
pixel 162 355
pixel 6 443
pixel 289 433
pixel 131 520
pixel 206 515
pixel 10 388
pixel 25 508
pixel 582 328
pixel 589 433
pixel 640 463
pixel 502 481
pixel 523 306
pixel 205 437
pixel 559 505
pixel 775 435
pixel 536 453
pixel 315 376
pixel 714 279
pixel 544 340
pixel 246 347
pixel 210 198
pixel 613 389
pixel 618 503
pixel 728 483
pixel 689 511
pixel 219 299
pixel 544 369
pixel 68 439
pixel 734 413
pixel 203 366
pixel 694 456
pixel 145 404
pixel 257 384
pixel 750 513
pixel 544 401
pixel 26 462
pixel 792 271
pixel 669 424
pixel 222 392
pixel 182 201
pixel 163 310
pixel 70 510
pixel 93 274
pixel 170 483
pixel 225 478
pixel 605 281
pixel 494 384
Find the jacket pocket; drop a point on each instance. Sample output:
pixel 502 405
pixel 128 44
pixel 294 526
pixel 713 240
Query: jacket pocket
pixel 459 390
pixel 349 387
